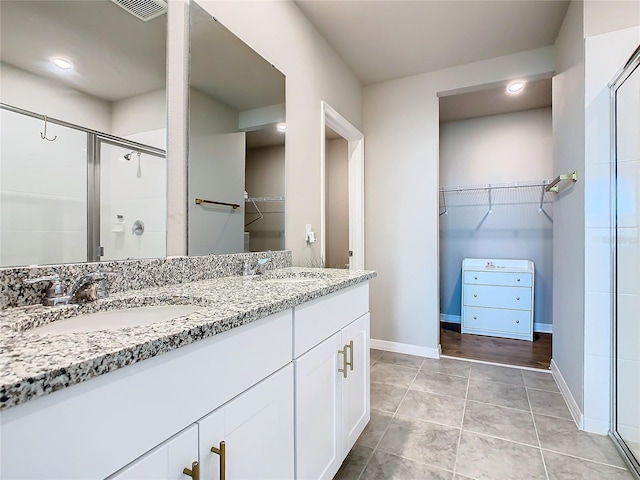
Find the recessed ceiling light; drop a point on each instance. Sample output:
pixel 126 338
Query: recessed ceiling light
pixel 62 63
pixel 515 87
pixel 282 127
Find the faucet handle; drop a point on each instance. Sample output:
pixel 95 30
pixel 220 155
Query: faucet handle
pixel 55 293
pixel 47 278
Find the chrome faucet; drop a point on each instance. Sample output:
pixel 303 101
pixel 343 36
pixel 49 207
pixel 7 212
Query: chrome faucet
pixel 87 288
pixel 257 269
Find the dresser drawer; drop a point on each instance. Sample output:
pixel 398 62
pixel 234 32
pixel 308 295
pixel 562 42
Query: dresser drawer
pixel 496 320
pixel 498 278
pixel 497 297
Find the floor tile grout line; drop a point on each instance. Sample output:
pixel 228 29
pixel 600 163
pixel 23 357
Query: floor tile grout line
pixel 496 405
pixel 625 469
pixel 543 390
pixel 555 417
pixel 488 362
pixel 501 438
pixel 417 461
pixel 418 419
pixel 535 427
pixel 392 417
pixel 500 406
pixel 464 409
pixel 499 383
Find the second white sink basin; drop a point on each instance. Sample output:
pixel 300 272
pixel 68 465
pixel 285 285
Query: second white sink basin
pixel 115 319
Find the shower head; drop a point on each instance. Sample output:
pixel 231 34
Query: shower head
pixel 128 155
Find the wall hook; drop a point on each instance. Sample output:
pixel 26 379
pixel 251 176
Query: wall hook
pixel 43 135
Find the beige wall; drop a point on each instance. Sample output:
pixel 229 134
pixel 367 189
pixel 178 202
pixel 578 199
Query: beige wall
pixel 401 185
pixel 337 199
pixel 48 97
pixel 610 15
pixel 314 72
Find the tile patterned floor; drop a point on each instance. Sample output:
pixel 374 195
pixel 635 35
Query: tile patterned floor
pixel 455 420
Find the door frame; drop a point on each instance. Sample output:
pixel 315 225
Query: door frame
pixel 629 456
pixel 355 139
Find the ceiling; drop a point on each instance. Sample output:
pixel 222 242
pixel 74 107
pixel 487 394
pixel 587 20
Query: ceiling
pixel 117 56
pixel 384 40
pixel 494 101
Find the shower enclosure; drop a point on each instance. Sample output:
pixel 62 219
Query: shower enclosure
pixel 625 95
pixel 70 194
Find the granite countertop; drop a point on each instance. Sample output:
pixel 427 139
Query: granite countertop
pixel 33 365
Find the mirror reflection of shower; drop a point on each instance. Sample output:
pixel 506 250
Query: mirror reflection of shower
pixel 127 157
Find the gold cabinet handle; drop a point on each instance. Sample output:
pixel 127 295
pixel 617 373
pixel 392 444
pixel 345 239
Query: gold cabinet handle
pixel 343 370
pixel 193 472
pixel 350 347
pixel 221 451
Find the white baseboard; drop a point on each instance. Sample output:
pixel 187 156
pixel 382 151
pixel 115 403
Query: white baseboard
pixel 543 327
pixel 568 397
pixel 537 327
pixel 444 317
pixel 405 348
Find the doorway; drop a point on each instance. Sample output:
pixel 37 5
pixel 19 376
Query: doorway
pixel 496 219
pixel 341 217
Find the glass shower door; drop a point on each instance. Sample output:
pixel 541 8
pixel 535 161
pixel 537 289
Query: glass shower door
pixel 626 97
pixel 43 192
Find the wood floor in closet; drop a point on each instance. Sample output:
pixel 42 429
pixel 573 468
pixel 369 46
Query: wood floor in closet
pixel 536 354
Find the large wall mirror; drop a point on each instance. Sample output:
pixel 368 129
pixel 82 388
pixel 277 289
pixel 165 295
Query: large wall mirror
pixel 236 144
pixel 83 132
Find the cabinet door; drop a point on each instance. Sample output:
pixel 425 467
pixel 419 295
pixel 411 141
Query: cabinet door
pixel 355 391
pixel 166 461
pixel 319 410
pixel 257 428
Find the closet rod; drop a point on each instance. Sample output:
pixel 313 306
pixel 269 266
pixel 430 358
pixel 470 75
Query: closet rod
pixel 553 186
pixel 200 201
pixel 494 186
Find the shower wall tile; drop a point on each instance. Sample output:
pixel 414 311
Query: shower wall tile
pixel 597 270
pixel 597 323
pixel 596 388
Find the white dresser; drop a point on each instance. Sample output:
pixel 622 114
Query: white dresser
pixel 497 297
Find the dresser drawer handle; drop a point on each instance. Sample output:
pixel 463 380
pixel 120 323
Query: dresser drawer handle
pixel 475 318
pixel 517 298
pixel 475 278
pixel 475 295
pixel 517 321
pixel 518 280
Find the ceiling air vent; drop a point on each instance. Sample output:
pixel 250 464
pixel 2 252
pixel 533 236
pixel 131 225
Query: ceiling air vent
pixel 143 9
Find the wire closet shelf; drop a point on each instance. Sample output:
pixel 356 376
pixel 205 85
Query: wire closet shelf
pixel 493 194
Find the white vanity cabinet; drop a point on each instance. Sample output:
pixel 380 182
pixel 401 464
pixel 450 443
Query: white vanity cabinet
pixel 287 394
pixel 257 431
pixel 97 428
pixel 497 297
pixel 165 461
pixel 331 346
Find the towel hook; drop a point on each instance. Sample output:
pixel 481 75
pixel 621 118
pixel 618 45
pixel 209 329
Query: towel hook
pixel 43 135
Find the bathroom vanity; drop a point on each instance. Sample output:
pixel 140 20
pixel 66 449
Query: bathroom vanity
pixel 497 297
pixel 269 379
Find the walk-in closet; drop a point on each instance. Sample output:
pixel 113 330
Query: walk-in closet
pixel 496 224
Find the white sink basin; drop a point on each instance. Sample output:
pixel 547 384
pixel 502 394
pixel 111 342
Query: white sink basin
pixel 115 319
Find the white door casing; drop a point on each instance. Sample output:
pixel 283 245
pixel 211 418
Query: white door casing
pixel 331 118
